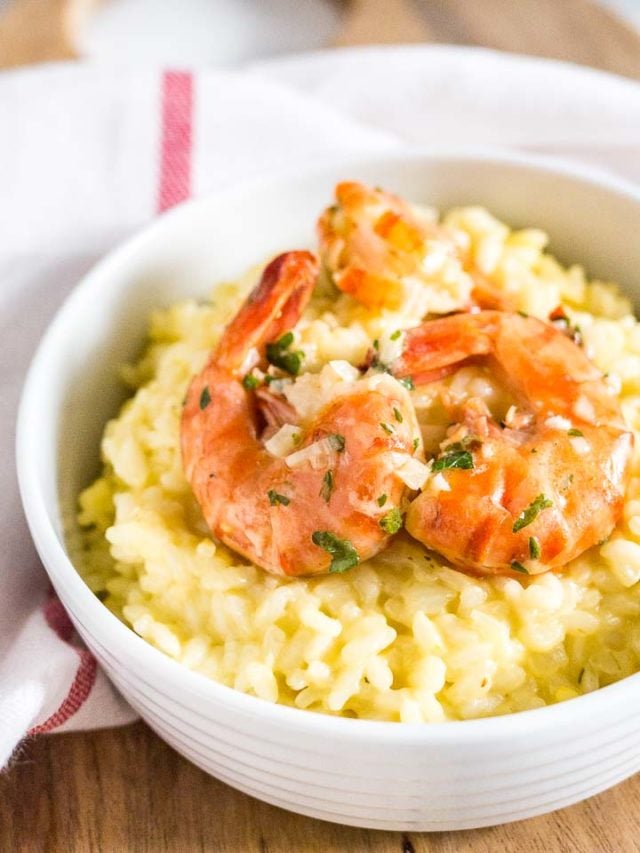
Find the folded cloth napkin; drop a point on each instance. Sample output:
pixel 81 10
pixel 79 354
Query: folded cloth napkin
pixel 91 152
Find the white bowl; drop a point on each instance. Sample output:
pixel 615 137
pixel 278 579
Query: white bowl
pixel 375 774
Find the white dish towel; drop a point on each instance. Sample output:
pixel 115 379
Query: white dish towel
pixel 89 153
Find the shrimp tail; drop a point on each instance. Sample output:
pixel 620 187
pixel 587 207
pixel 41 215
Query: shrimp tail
pixel 437 348
pixel 272 308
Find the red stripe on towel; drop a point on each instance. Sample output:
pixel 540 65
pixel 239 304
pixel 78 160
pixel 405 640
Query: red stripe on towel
pixel 176 139
pixel 80 689
pixel 174 187
pixel 58 620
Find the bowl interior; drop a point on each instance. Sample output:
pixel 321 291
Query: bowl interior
pixel 74 385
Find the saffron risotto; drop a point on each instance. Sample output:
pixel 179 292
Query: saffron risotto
pixel 402 636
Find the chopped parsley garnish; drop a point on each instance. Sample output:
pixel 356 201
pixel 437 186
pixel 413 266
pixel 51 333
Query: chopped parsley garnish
pixel 388 429
pixel 250 381
pixel 397 415
pixel 337 441
pixel 285 341
pixel 378 365
pixel 290 362
pixel 523 313
pixel 408 383
pixel 279 356
pixel 416 442
pixel 518 567
pixel 343 555
pixel 205 397
pixel 382 500
pixel 395 335
pixel 376 345
pixel 575 432
pixel 328 485
pixel 455 457
pixel 531 512
pixel 534 548
pixel 276 498
pixel 392 521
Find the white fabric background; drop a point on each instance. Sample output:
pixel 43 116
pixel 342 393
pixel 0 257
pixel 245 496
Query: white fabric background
pixel 79 154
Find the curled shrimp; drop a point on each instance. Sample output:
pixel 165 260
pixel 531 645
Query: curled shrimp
pixel 535 492
pixel 378 248
pixel 334 500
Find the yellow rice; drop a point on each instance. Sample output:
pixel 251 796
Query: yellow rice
pixel 401 637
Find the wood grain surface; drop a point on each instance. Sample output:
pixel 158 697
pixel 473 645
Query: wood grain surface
pixel 41 30
pixel 572 30
pixel 125 790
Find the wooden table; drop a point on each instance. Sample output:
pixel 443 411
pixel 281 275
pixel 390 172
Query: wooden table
pixel 125 790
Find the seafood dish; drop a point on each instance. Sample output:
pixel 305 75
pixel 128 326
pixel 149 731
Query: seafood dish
pixel 392 476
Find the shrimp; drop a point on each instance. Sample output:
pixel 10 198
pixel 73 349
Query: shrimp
pixel 378 248
pixel 336 499
pixel 535 492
